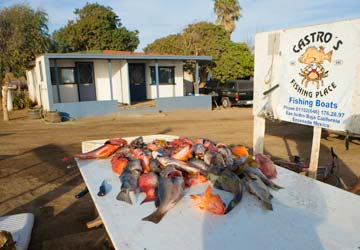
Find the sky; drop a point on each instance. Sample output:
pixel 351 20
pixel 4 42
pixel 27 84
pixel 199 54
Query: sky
pixel 158 18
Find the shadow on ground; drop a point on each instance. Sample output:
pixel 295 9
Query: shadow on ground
pixel 46 188
pixel 302 136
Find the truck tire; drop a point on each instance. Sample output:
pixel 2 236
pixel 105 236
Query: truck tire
pixel 225 101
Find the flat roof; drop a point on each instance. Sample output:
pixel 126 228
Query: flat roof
pixel 134 56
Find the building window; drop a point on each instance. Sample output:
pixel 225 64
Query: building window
pixel 166 75
pixel 65 75
pixel 41 73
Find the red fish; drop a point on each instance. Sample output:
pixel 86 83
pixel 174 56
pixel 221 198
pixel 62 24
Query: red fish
pixel 266 165
pixel 240 151
pixel 180 142
pixel 119 163
pixel 209 145
pixel 192 180
pixel 145 160
pixel 152 147
pixel 148 184
pixel 104 151
pixel 184 153
pixel 209 201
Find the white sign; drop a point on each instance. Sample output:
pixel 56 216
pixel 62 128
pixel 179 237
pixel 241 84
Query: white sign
pixel 318 75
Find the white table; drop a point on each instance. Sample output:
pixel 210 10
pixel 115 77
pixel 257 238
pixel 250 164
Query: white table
pixel 308 214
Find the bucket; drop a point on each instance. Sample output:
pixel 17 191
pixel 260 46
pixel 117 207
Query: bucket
pixel 34 113
pixel 53 116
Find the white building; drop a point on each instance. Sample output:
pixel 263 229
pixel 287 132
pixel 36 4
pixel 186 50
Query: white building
pixel 92 84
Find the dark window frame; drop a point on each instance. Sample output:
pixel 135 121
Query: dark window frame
pixel 53 77
pixel 153 77
pixel 77 74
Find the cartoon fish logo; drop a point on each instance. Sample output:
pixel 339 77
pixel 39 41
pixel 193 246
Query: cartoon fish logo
pixel 314 71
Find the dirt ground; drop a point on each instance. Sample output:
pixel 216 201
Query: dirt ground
pixel 33 177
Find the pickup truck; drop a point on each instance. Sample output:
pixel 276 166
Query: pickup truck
pixel 230 93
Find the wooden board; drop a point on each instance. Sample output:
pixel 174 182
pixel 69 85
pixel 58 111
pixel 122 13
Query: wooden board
pixel 308 214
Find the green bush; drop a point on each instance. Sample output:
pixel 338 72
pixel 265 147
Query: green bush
pixel 22 100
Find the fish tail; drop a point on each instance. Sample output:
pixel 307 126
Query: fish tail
pixel 124 196
pixel 268 205
pixel 274 186
pixel 236 200
pixel 156 216
pixel 328 56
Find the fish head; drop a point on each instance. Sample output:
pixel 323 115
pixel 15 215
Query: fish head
pixel 135 165
pixel 214 173
pixel 138 143
pixel 164 161
pixel 170 171
pixel 209 156
pixel 199 150
pixel 138 153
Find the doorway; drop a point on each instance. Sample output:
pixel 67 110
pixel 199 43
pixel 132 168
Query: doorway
pixel 137 82
pixel 86 83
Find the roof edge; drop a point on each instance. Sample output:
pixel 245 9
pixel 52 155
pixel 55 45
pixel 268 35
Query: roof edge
pixel 131 56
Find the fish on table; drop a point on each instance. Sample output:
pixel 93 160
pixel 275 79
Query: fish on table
pixel 226 180
pixel 257 188
pixel 209 201
pixel 170 191
pixel 148 184
pixel 129 180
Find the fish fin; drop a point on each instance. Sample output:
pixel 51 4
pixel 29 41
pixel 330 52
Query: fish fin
pixel 230 207
pixel 157 202
pixel 275 187
pixel 267 205
pixel 328 56
pixel 144 201
pixel 155 217
pixel 124 196
pixel 236 200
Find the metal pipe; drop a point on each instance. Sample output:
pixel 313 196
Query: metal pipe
pixel 197 80
pixel 157 79
pixel 57 81
pixel 110 79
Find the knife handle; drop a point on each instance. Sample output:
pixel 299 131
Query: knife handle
pixel 102 191
pixel 82 193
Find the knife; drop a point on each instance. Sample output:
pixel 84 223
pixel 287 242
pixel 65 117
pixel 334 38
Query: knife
pixel 82 193
pixel 102 190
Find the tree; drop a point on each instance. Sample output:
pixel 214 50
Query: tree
pixel 234 63
pixel 171 45
pixel 202 38
pixel 23 36
pixel 96 28
pixel 230 60
pixel 227 12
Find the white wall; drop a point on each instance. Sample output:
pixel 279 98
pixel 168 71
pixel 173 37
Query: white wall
pixel 39 89
pixel 188 77
pixel 69 92
pixel 102 82
pixel 118 82
pixel 32 84
pixel 124 72
pixel 165 90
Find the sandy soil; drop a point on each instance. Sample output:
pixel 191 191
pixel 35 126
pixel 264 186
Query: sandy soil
pixel 34 179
